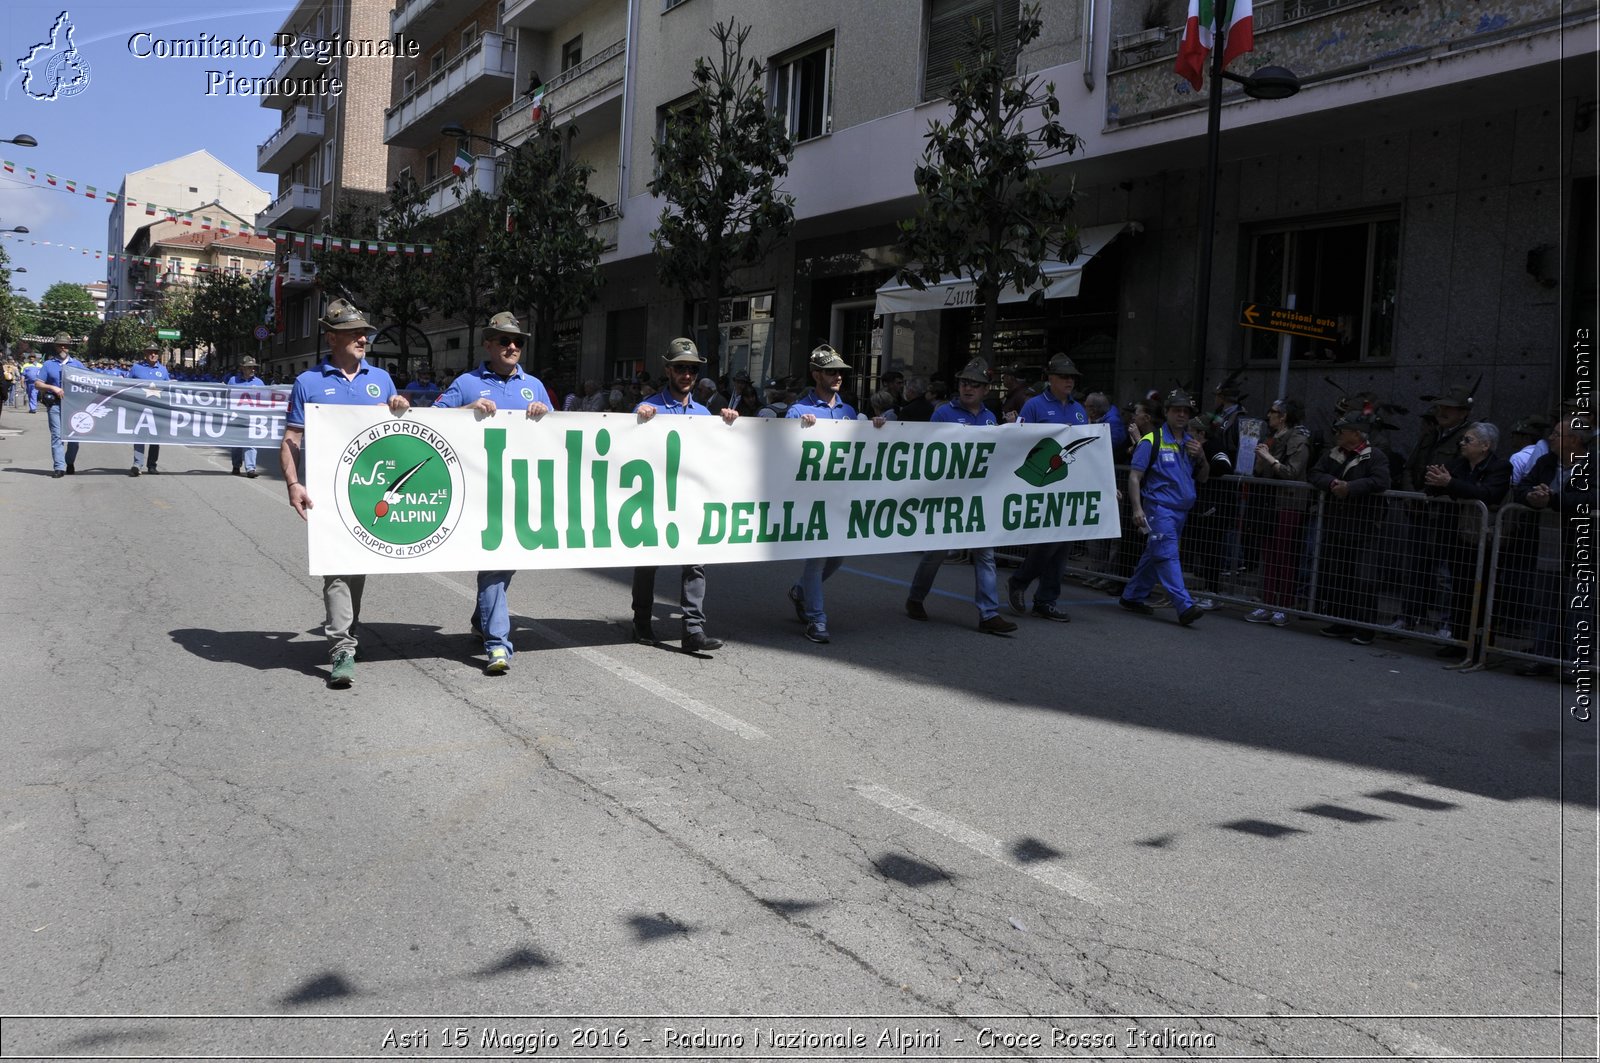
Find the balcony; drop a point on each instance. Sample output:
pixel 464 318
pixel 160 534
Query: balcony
pixel 540 15
pixel 298 273
pixel 475 79
pixel 297 64
pixel 606 224
pixel 425 20
pixel 440 196
pixel 300 132
pixel 589 85
pixel 295 205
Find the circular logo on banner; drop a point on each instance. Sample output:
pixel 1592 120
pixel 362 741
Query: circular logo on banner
pixel 82 423
pixel 400 489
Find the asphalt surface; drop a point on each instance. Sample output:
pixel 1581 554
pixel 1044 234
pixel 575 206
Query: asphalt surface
pixel 1240 841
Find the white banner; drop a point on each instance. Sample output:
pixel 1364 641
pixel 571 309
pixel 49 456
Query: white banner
pixel 450 491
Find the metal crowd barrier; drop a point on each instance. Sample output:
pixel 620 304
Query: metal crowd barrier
pixel 1528 613
pixel 1422 569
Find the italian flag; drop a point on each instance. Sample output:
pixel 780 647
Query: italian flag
pixel 537 110
pixel 1199 37
pixel 463 163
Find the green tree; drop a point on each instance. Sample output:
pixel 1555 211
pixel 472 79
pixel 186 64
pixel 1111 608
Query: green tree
pixel 463 264
pixel 120 337
pixel 21 318
pixel 718 170
pixel 67 307
pixel 546 252
pixel 987 212
pixel 224 311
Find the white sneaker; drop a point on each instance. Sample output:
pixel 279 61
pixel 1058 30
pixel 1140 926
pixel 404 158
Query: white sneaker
pixel 1280 620
pixel 1398 624
pixel 1260 616
pixel 1444 632
pixel 1206 604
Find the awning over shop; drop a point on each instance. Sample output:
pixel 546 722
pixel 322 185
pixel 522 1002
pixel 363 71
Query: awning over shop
pixel 1060 280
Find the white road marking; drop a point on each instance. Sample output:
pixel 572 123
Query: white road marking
pixel 621 671
pixel 983 844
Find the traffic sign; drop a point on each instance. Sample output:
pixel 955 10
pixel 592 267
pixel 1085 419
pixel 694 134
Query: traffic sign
pixel 263 332
pixel 168 334
pixel 1288 320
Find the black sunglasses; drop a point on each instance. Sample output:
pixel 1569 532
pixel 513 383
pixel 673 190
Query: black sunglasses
pixel 507 341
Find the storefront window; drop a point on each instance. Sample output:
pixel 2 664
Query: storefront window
pixel 1347 271
pixel 745 322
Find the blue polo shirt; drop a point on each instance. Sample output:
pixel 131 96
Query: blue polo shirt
pixel 238 381
pixel 1043 408
pixel 326 384
pixel 665 403
pixel 810 403
pixel 30 373
pixel 149 372
pixel 1168 471
pixel 51 373
pixel 517 391
pixel 955 413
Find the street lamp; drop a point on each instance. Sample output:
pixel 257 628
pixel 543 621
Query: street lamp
pixel 21 140
pixel 19 229
pixel 1268 83
pixel 461 132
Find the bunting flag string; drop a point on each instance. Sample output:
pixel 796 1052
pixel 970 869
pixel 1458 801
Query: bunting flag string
pixel 138 260
pixel 222 225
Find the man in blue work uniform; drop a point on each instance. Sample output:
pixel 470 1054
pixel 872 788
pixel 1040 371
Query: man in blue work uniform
pixel 972 387
pixel 30 376
pixel 497 384
pixel 244 458
pixel 1053 405
pixel 1162 474
pixel 52 388
pixel 684 364
pixel 149 369
pixel 822 402
pixel 344 379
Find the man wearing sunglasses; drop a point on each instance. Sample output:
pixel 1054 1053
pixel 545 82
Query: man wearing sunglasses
pixel 344 379
pixel 684 365
pixel 497 384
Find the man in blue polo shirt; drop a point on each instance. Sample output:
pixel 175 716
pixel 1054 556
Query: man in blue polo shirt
pixel 149 369
pixel 972 387
pixel 30 376
pixel 1162 474
pixel 1053 405
pixel 344 379
pixel 497 384
pixel 244 458
pixel 684 364
pixel 52 388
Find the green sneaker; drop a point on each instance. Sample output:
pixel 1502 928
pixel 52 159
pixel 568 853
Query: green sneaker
pixel 344 670
pixel 499 661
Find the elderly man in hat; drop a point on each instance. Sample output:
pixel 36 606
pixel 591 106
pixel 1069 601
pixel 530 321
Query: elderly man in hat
pixel 1054 405
pixel 52 389
pixel 1163 474
pixel 676 399
pixel 344 378
pixel 972 385
pixel 497 384
pixel 1431 533
pixel 244 458
pixel 1352 475
pixel 822 402
pixel 150 368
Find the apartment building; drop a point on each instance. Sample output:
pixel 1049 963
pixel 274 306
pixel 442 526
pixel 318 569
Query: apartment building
pixel 175 253
pixel 1431 188
pixel 326 153
pixel 191 184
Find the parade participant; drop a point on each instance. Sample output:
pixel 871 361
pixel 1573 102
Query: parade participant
pixel 244 458
pixel 821 402
pixel 498 383
pixel 52 389
pixel 1163 472
pixel 149 369
pixel 684 363
pixel 1053 405
pixel 343 379
pixel 1352 475
pixel 968 409
pixel 31 369
pixel 422 389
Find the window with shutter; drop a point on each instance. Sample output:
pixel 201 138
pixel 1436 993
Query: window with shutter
pixel 952 42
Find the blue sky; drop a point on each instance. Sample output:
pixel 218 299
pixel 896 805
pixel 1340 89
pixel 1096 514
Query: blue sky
pixel 130 114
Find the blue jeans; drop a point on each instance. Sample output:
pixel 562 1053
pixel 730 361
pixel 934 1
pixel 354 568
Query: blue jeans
pixel 241 454
pixel 1160 559
pixel 62 453
pixel 1043 563
pixel 493 614
pixel 817 569
pixel 985 591
pixel 138 455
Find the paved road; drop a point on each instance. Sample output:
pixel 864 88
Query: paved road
pixel 1236 840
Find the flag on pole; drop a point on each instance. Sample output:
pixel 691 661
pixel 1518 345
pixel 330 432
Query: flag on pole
pixel 463 164
pixel 1199 37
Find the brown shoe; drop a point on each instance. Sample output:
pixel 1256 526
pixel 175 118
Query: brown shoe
pixel 996 625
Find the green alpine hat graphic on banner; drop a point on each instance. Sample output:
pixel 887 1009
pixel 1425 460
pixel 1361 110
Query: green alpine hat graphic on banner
pixel 1049 461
